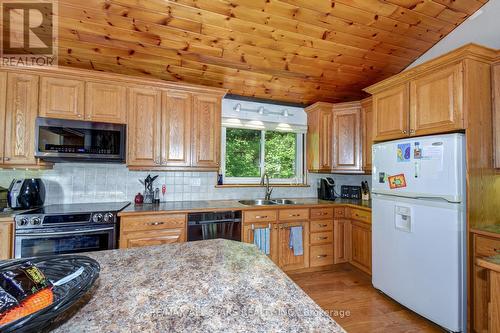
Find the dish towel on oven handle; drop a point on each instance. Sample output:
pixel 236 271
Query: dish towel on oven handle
pixel 262 239
pixel 295 241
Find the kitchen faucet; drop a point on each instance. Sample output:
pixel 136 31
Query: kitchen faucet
pixel 269 189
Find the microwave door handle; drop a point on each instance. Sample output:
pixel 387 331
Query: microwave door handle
pixel 68 232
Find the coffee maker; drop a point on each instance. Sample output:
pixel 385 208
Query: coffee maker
pixel 26 193
pixel 326 190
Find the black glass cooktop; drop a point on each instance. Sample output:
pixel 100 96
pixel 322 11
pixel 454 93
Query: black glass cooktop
pixel 80 208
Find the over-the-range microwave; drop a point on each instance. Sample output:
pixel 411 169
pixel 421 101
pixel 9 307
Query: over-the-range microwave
pixel 61 140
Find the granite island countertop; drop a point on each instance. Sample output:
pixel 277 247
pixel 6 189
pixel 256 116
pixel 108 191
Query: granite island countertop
pixel 214 205
pixel 205 286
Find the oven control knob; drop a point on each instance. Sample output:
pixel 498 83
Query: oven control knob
pixel 97 218
pixel 36 221
pixel 108 218
pixel 23 221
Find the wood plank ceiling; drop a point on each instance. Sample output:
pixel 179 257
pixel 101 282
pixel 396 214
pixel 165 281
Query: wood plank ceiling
pixel 299 51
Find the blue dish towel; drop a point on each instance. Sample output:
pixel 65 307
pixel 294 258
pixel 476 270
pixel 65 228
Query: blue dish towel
pixel 262 239
pixel 295 242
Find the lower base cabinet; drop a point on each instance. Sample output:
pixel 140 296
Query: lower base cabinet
pixel 6 238
pixel 361 246
pixel 153 229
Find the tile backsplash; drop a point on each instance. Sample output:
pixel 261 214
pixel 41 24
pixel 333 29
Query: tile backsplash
pixel 84 182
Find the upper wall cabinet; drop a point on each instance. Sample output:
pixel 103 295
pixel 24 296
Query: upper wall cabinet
pixel 207 130
pixel 496 108
pixel 391 113
pixel 62 98
pixel 106 102
pixel 346 137
pixel 319 137
pixel 367 132
pixel 21 109
pixel 144 129
pixel 436 101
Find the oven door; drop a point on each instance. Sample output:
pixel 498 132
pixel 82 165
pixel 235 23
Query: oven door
pixel 34 243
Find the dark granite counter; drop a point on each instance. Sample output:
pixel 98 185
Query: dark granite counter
pixel 205 286
pixel 214 205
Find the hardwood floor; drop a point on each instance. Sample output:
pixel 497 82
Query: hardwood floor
pixel 347 295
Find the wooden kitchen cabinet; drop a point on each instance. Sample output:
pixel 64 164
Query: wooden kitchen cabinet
pixel 248 231
pixel 144 127
pixel 20 115
pixel 391 113
pixel 319 137
pixel 62 97
pixel 3 101
pixel 361 246
pixel 152 229
pixel 341 240
pixel 206 131
pixel 436 101
pixel 6 238
pixel 106 102
pixel 496 112
pixel 367 133
pixel 287 260
pixel 176 128
pixel 346 137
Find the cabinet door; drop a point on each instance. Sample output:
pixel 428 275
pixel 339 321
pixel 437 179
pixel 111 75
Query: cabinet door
pixel 248 236
pixel 176 128
pixel 341 240
pixel 207 128
pixel 150 238
pixel 496 114
pixel 6 237
pixel 106 102
pixel 347 140
pixel 3 101
pixel 319 137
pixel 367 133
pixel 325 140
pixel 144 129
pixel 287 259
pixel 436 101
pixel 361 246
pixel 62 98
pixel 21 112
pixel 391 113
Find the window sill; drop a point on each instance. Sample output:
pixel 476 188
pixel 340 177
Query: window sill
pixel 258 185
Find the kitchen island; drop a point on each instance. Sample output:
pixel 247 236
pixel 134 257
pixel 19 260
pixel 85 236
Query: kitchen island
pixel 205 286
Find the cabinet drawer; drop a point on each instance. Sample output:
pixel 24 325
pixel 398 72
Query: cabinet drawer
pixel 318 238
pixel 486 246
pixel 321 255
pixel 361 215
pixel 294 214
pixel 321 226
pixel 339 212
pixel 260 216
pixel 321 213
pixel 151 238
pixel 153 222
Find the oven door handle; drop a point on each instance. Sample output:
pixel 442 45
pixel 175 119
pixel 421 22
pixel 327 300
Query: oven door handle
pixel 67 232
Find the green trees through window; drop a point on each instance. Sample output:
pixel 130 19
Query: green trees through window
pixel 245 148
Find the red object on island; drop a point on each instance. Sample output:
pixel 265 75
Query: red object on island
pixel 139 198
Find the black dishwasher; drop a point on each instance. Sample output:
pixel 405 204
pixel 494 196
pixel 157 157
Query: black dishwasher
pixel 211 225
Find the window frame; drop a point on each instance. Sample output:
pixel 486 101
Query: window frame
pixel 300 176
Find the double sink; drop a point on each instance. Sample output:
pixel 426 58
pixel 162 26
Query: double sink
pixel 261 202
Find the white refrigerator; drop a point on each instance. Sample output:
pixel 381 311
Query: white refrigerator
pixel 418 226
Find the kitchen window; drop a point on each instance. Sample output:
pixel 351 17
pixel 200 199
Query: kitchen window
pixel 248 153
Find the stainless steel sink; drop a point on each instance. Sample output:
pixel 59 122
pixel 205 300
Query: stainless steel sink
pixel 258 202
pixel 284 202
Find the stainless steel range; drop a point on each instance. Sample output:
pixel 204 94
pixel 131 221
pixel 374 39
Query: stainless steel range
pixel 71 228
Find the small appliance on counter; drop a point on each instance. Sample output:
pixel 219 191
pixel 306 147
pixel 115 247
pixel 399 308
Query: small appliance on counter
pixel 3 198
pixel 26 193
pixel 365 191
pixel 326 190
pixel 350 192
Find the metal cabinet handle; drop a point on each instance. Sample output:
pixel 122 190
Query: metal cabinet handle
pixel 412 131
pixel 155 223
pixel 322 225
pixel 261 216
pixel 294 215
pixel 322 256
pixel 322 238
pixel 79 115
pixel 7 158
pixel 404 131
